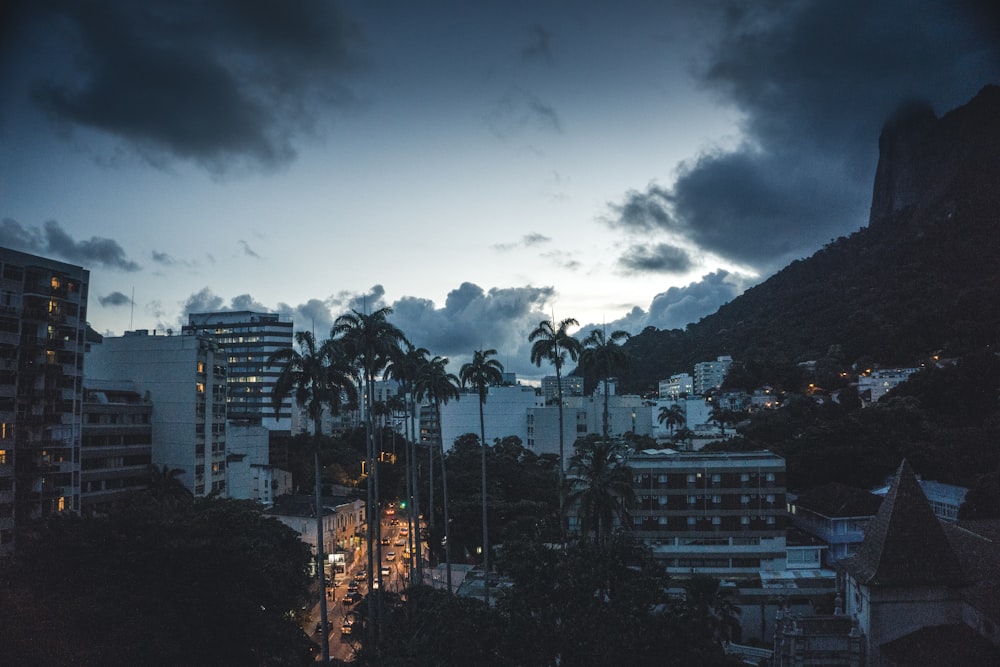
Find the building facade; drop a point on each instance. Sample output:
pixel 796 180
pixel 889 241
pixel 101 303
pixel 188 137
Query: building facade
pixel 117 449
pixel 572 385
pixel 43 314
pixel 185 377
pixel 710 374
pixel 247 339
pixel 677 386
pixel 712 513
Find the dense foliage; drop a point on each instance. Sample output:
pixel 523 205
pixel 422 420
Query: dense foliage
pixel 586 604
pixel 165 581
pixel 945 421
pixel 922 282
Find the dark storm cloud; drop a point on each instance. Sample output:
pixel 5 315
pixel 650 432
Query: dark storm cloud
pixel 52 240
pixel 539 47
pixel 813 83
pixel 218 83
pixel 656 258
pixel 114 299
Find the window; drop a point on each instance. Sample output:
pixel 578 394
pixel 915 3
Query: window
pixel 716 521
pixel 745 500
pixel 716 479
pixel 744 521
pixel 717 500
pixel 661 479
pixel 692 521
pixel 692 500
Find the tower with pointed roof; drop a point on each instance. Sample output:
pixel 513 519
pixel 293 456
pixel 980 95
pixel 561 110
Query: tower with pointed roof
pixel 905 576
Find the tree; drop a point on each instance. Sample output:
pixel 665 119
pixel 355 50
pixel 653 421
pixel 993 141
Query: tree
pixel 601 486
pixel 605 354
pixel 439 386
pixel 722 416
pixel 552 343
pixel 319 376
pixel 404 367
pixel 209 582
pixel 370 341
pixel 710 606
pixel 673 416
pixel 480 373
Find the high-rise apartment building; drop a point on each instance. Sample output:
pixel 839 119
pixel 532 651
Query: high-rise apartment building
pixel 43 313
pixel 185 377
pixel 710 374
pixel 247 340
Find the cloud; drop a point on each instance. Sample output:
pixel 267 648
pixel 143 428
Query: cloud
pixel 54 241
pixel 534 239
pixel 539 47
pixel 519 112
pixel 527 241
pixel 812 83
pixel 247 250
pixel 679 306
pixel 114 299
pixel 219 83
pixel 657 258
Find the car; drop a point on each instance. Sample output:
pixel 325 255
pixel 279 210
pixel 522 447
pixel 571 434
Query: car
pixel 352 598
pixel 352 587
pixel 404 531
pixel 385 541
pixel 361 575
pixel 347 627
pixel 386 571
pixel 400 542
pixel 394 522
pixel 390 556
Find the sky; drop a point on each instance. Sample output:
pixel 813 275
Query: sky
pixel 476 166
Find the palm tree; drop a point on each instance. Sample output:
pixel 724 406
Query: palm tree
pixel 711 606
pixel 673 416
pixel 480 373
pixel 722 416
pixel 601 483
pixel 404 367
pixel 370 341
pixel 552 343
pixel 439 386
pixel 320 377
pixel 604 353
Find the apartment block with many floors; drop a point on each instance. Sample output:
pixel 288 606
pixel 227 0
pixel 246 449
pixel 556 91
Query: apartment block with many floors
pixel 43 313
pixel 185 377
pixel 713 513
pixel 117 448
pixel 247 339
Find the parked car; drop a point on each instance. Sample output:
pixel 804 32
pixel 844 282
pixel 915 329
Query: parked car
pixel 390 556
pixel 386 571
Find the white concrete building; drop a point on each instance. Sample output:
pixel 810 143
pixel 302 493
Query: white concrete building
pixel 571 386
pixel 249 475
pixel 504 413
pixel 682 383
pixel 186 380
pixel 873 386
pixel 710 374
pixel 584 415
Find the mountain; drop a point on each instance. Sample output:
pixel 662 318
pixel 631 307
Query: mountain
pixel 922 277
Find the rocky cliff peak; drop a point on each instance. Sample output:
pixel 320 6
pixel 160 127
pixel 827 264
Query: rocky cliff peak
pixel 922 157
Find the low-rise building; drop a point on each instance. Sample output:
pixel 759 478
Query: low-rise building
pixel 715 513
pixel 837 514
pixel 117 445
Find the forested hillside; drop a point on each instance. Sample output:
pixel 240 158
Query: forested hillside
pixel 922 278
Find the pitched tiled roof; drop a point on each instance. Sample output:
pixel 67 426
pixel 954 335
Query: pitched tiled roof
pixel 905 543
pixel 835 500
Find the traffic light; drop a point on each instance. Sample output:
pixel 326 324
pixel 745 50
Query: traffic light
pixel 402 505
